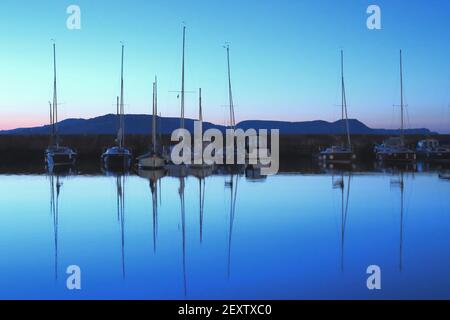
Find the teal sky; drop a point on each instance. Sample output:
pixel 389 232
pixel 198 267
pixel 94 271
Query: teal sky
pixel 284 59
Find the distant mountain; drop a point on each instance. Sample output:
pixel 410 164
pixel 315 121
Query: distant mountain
pixel 141 124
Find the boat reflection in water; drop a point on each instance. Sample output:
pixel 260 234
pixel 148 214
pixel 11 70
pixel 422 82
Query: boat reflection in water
pixel 183 229
pixel 395 167
pixel 232 184
pixel 400 184
pixel 339 183
pixel 201 172
pixel 120 178
pixel 120 189
pixel 55 188
pixel 55 176
pixel 154 177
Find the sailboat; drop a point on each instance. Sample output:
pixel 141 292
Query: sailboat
pixel 431 150
pixel 153 159
pixel 118 157
pixel 344 153
pixel 227 168
pixel 394 149
pixel 56 154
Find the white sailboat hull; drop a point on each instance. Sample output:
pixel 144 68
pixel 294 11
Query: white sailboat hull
pixel 151 162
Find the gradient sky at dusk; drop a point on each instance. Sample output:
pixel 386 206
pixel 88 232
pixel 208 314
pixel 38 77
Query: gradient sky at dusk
pixel 284 59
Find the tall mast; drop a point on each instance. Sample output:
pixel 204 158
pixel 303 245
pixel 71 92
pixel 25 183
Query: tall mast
pixel 200 113
pixel 182 81
pixel 52 126
pixel 402 134
pixel 344 101
pixel 55 99
pixel 159 126
pixel 230 95
pixel 118 117
pixel 122 135
pixel 155 111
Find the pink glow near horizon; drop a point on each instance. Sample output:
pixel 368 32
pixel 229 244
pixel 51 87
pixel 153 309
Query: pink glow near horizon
pixel 14 121
pixel 21 121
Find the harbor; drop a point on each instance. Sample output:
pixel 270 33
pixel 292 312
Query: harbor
pixel 225 158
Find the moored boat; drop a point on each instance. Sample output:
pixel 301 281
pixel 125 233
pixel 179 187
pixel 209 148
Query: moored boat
pixel 394 149
pixel 118 157
pixel 344 153
pixel 55 154
pixel 337 154
pixel 153 159
pixel 431 150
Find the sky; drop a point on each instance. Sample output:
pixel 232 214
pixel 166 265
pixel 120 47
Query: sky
pixel 285 62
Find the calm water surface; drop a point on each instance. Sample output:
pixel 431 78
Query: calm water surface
pixel 290 236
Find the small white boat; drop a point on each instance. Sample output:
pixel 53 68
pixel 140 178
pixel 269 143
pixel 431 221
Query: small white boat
pixel 152 175
pixel 151 160
pixel 117 157
pixel 393 149
pixel 431 150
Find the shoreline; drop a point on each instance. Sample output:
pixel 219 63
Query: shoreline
pixel 25 153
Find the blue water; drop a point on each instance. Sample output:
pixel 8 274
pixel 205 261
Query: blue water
pixel 293 236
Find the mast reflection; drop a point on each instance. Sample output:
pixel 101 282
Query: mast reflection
pixel 55 188
pixel 339 183
pixel 183 229
pixel 154 177
pixel 400 183
pixel 120 198
pixel 232 184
